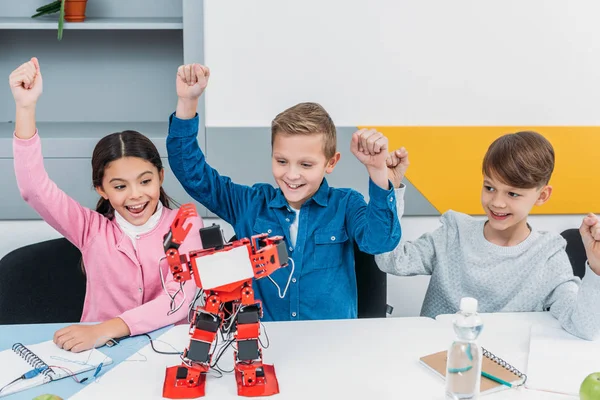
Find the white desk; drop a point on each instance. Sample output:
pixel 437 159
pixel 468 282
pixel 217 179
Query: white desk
pixel 372 359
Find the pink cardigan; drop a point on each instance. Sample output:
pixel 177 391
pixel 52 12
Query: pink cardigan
pixel 121 282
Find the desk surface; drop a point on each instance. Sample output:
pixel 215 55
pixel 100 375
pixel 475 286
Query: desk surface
pixel 376 359
pixel 31 334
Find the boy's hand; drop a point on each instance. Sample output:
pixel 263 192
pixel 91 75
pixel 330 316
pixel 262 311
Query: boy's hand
pixel 397 163
pixel 590 234
pixel 191 81
pixel 370 147
pixel 26 84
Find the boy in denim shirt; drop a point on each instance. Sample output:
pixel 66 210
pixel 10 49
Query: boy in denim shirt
pixel 320 224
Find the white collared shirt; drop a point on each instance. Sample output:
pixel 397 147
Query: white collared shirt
pixel 134 231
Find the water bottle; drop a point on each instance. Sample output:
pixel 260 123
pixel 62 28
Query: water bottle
pixel 463 368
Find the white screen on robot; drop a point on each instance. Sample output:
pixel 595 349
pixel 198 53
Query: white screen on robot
pixel 221 268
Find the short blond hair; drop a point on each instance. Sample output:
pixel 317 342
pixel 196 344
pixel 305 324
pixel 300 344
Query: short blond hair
pixel 306 119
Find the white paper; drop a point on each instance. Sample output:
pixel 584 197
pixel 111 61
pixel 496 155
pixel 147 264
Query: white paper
pixel 558 361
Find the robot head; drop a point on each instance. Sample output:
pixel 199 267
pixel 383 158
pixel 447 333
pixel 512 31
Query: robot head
pixel 212 237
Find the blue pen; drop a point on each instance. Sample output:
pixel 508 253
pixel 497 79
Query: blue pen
pixel 495 379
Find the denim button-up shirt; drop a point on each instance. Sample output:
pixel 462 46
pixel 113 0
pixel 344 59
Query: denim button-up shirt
pixel 323 284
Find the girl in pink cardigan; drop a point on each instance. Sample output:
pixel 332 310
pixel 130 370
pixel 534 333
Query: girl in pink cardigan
pixel 120 242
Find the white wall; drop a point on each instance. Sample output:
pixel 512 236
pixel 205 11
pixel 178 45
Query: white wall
pixel 405 62
pixel 405 294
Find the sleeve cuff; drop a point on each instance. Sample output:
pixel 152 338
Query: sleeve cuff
pixel 35 139
pixel 381 197
pixel 400 191
pixel 183 127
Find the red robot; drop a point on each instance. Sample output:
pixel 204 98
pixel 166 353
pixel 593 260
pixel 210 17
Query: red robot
pixel 224 273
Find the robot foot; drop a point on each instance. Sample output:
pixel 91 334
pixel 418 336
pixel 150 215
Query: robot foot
pixel 183 383
pixel 264 384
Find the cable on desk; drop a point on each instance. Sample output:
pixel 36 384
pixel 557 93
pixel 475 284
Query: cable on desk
pixel 158 351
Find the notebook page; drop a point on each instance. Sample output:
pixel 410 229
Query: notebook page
pixel 52 355
pixel 559 361
pixel 12 365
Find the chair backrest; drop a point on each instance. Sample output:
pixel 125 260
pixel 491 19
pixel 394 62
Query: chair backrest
pixel 576 251
pixel 371 285
pixel 42 283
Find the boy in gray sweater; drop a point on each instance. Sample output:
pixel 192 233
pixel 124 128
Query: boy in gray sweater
pixel 502 261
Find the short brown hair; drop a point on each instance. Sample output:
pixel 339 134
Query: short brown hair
pixel 306 119
pixel 522 160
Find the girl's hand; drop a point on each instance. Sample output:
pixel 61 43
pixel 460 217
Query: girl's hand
pixel 78 338
pixel 26 84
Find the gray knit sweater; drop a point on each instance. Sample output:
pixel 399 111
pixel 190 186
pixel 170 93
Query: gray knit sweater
pixel 534 275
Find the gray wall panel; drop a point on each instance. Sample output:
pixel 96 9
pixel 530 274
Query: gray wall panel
pixel 78 139
pixel 97 75
pixel 71 175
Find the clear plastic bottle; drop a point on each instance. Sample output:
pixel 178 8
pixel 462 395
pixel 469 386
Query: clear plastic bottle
pixel 463 368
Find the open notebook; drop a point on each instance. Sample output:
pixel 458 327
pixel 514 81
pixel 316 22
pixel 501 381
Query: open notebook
pixel 558 361
pixel 491 364
pixel 20 359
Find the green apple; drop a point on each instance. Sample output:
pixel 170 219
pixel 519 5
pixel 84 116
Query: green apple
pixel 47 397
pixel 590 387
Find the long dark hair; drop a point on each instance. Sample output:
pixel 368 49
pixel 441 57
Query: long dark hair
pixel 118 145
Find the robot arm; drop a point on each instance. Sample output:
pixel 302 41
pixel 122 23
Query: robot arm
pixel 268 255
pixel 178 264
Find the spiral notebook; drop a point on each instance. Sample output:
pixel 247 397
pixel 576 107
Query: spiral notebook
pixel 20 359
pixel 491 364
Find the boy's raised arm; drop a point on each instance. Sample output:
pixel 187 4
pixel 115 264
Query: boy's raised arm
pixel 411 257
pixel 218 193
pixel 374 226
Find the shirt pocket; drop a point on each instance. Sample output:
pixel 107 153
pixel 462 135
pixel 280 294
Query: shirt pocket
pixel 329 248
pixel 271 228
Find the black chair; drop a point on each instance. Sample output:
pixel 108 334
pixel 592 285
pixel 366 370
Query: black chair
pixel 576 251
pixel 371 285
pixel 42 283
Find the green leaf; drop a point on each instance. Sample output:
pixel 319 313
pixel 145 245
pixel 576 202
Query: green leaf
pixel 54 4
pixel 46 12
pixel 61 19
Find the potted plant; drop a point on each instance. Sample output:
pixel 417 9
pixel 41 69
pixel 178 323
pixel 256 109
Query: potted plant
pixel 69 10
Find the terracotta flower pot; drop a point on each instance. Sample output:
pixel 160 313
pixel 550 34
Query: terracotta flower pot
pixel 75 10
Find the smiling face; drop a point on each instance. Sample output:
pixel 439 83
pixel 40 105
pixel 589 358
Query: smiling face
pixel 507 209
pixel 299 165
pixel 132 186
